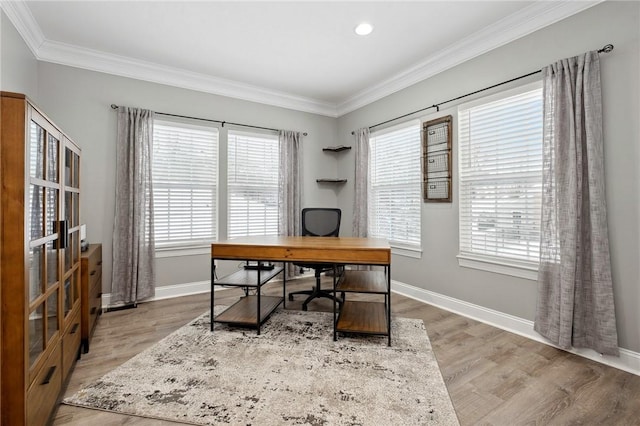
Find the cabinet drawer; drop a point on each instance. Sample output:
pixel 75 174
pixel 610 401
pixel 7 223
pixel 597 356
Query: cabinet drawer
pixel 95 275
pixel 71 344
pixel 95 305
pixel 43 392
pixel 95 257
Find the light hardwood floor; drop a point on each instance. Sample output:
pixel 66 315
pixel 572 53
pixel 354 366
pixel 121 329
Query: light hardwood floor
pixel 494 377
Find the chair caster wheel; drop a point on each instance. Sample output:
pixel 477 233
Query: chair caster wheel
pixel 304 307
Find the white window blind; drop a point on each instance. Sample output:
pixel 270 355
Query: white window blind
pixel 253 184
pixel 185 170
pixel 500 176
pixel 394 185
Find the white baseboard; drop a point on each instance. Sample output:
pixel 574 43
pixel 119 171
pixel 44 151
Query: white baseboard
pixel 170 291
pixel 628 361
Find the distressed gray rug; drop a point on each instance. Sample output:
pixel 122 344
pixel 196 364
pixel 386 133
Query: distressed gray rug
pixel 292 374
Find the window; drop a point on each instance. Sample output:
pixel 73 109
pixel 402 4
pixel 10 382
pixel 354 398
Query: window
pixel 185 170
pixel 394 185
pixel 253 184
pixel 500 178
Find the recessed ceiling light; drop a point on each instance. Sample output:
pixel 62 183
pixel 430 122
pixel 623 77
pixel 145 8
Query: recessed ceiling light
pixel 364 29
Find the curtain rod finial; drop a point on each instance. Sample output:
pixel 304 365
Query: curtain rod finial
pixel 114 106
pixel 607 48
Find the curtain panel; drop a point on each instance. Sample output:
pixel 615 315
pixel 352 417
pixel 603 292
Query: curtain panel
pixel 360 199
pixel 290 187
pixel 575 306
pixel 133 242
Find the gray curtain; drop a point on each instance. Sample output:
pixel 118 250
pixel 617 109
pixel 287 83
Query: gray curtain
pixel 575 306
pixel 133 243
pixel 290 187
pixel 360 199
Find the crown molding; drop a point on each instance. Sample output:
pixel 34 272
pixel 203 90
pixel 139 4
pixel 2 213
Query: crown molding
pixel 513 27
pixel 21 18
pixel 93 60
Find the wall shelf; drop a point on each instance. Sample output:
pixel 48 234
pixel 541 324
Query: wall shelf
pixel 333 181
pixel 336 148
pixel 327 180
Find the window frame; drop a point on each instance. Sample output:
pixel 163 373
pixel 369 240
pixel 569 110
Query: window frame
pixel 401 248
pixel 526 269
pixel 273 137
pixel 203 246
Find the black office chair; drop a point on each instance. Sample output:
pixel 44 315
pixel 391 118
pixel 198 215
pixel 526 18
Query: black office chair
pixel 319 222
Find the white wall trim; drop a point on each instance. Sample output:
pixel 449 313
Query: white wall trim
pixel 513 27
pixel 170 291
pixel 629 361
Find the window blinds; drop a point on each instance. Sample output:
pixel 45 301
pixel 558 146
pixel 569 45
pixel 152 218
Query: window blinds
pixel 253 184
pixel 185 169
pixel 394 185
pixel 500 182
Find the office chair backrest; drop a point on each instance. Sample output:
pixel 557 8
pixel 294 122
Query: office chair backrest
pixel 321 222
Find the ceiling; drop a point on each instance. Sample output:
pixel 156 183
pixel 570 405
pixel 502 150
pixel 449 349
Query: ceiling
pixel 301 55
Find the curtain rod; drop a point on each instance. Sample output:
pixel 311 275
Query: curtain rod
pixel 606 49
pixel 114 106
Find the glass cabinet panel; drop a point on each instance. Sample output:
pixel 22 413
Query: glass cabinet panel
pixel 67 257
pixel 52 315
pixel 68 295
pixel 68 167
pixel 36 336
pixel 68 207
pixel 36 151
pixel 52 158
pixel 52 264
pixel 51 211
pixel 74 243
pixel 76 209
pixel 36 275
pixel 76 170
pixel 35 225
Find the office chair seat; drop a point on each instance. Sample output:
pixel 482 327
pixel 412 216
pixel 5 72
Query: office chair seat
pixel 319 222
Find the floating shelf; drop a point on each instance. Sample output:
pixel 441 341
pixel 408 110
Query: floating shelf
pixel 326 180
pixel 336 148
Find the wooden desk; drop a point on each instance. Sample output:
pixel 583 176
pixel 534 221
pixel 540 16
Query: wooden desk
pixel 339 250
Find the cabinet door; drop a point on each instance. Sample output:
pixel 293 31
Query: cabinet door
pixel 71 261
pixel 43 215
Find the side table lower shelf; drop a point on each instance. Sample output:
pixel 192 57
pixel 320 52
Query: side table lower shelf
pixel 363 317
pixel 244 311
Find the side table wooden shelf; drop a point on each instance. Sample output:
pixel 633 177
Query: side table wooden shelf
pixel 249 310
pixel 365 317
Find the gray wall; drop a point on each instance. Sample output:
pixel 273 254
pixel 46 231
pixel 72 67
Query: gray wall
pixel 438 271
pixel 18 66
pixel 79 101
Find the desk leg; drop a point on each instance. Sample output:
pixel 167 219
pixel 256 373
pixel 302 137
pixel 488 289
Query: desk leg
pixel 388 296
pixel 335 333
pixel 213 277
pixel 258 290
pixel 284 284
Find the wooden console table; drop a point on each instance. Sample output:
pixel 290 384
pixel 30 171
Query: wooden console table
pixel 354 317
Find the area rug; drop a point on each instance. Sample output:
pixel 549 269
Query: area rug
pixel 293 373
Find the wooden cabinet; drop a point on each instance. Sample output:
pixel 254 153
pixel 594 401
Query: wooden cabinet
pixel 91 290
pixel 40 261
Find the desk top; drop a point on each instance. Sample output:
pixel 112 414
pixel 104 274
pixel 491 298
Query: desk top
pixel 348 250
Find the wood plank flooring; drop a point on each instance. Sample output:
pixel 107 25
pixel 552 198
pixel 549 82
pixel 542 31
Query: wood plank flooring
pixel 494 377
